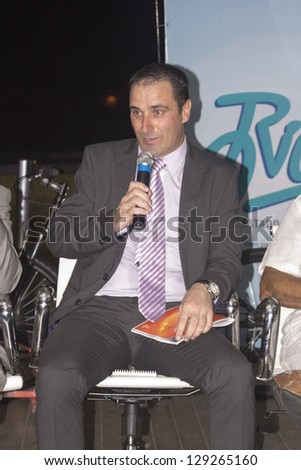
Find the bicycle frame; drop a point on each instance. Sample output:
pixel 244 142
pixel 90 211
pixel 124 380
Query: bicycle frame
pixel 23 196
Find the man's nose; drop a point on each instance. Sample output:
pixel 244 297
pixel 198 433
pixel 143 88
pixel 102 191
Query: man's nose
pixel 146 123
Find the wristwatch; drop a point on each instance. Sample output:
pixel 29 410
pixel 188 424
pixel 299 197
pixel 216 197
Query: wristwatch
pixel 212 288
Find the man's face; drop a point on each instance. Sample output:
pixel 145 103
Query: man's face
pixel 155 117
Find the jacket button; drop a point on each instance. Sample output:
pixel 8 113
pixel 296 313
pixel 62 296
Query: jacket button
pixel 106 276
pixel 78 302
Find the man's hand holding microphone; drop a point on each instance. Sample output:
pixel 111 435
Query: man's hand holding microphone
pixel 136 203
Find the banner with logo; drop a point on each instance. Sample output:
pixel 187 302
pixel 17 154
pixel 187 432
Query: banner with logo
pixel 244 64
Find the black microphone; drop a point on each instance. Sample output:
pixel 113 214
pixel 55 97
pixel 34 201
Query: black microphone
pixel 145 162
pixel 49 172
pixel 46 173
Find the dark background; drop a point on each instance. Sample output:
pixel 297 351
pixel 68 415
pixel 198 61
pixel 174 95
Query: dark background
pixel 59 60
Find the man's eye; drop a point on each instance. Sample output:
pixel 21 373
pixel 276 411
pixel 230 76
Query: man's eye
pixel 158 112
pixel 136 112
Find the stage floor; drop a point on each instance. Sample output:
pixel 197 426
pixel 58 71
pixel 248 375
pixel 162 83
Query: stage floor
pixel 176 423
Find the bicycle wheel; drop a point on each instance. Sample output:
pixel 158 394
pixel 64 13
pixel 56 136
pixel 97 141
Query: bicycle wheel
pixel 39 272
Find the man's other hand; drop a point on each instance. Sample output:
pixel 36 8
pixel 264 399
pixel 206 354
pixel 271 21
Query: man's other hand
pixel 196 313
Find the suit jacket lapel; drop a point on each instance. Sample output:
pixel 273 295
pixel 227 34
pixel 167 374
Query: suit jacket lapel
pixel 125 167
pixel 192 176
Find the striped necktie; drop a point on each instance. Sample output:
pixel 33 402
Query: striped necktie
pixel 150 255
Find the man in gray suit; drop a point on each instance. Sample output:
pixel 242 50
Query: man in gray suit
pixel 92 336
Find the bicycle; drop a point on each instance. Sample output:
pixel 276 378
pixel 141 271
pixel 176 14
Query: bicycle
pixel 38 269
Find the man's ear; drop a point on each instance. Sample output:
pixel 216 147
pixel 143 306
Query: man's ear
pixel 186 110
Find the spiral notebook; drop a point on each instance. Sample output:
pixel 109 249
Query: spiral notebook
pixel 141 378
pixel 164 329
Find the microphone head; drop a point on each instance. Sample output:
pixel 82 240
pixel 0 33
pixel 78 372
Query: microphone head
pixel 49 172
pixel 145 158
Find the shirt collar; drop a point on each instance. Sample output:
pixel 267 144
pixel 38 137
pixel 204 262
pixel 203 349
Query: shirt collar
pixel 175 160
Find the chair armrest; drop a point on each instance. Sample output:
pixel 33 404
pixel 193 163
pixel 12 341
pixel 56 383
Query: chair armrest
pixel 267 316
pixel 41 322
pixel 230 308
pixel 7 324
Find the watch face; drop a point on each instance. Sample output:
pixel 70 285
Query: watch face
pixel 214 289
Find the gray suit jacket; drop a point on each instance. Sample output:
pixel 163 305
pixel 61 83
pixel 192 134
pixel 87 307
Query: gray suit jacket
pixel 83 228
pixel 10 266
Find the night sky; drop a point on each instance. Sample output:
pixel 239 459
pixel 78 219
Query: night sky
pixel 60 59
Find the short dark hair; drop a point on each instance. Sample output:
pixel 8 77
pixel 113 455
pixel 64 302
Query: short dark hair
pixel 156 72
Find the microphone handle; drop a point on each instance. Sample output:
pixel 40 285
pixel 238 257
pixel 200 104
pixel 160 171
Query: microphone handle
pixel 143 177
pixel 140 220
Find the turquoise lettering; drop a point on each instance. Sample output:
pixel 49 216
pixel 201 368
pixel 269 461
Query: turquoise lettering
pixel 240 144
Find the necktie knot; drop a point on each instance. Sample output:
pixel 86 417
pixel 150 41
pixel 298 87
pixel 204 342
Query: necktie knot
pixel 158 165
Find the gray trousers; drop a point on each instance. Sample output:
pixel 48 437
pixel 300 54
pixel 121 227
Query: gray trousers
pixel 89 343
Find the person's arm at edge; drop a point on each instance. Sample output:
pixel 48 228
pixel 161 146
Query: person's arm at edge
pixel 10 265
pixel 284 287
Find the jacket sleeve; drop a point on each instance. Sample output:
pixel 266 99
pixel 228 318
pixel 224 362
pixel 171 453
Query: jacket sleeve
pixel 83 227
pixel 223 232
pixel 10 265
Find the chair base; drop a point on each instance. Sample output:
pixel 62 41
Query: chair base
pixel 134 402
pixel 269 423
pixel 132 425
